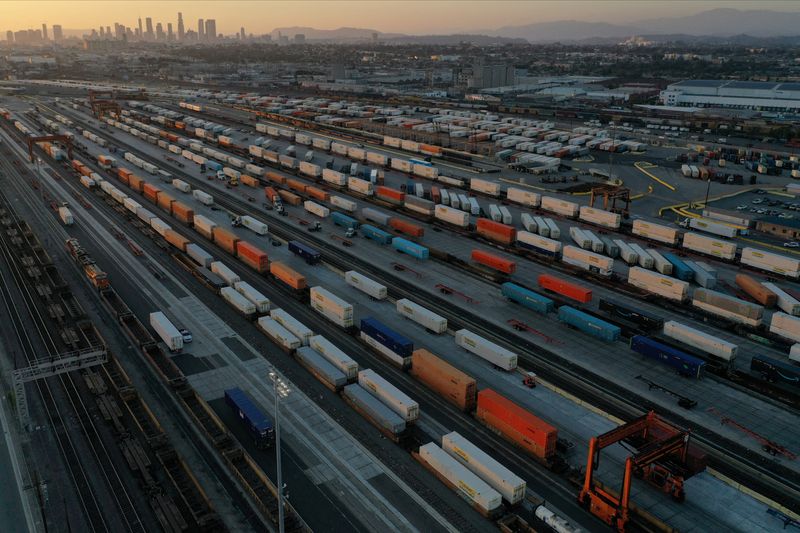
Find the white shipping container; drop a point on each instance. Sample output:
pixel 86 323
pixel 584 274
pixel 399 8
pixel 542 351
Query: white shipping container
pixel 278 333
pixel 230 277
pixel 716 228
pixel 333 177
pixel 659 284
pixel 580 238
pixel 451 215
pixel 254 225
pixel 309 169
pixel 660 263
pixel 160 226
pixel 786 302
pixel 645 261
pixel 587 260
pixel 786 326
pixel 771 262
pixel 166 330
pixel 131 205
pixel 469 485
pixel 485 349
pixel 343 203
pixel 484 186
pixel 600 217
pixel 248 291
pixel 297 328
pixel 529 223
pixel 553 229
pixel 700 340
pixel 510 486
pixel 181 185
pixel 331 307
pixel 794 353
pixel 597 243
pixel 365 284
pixel 360 186
pixel 520 196
pixel 393 397
pixel 709 246
pixel 626 252
pixel 337 357
pixel 203 197
pixel 426 318
pixel 66 216
pixel 656 232
pixel 204 224
pixel 237 300
pixel 316 209
pixel 377 159
pixel 562 207
pixel 539 243
pixel 542 228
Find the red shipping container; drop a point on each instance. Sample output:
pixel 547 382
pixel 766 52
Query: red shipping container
pixel 495 231
pixel 516 424
pixel 496 262
pixel 225 239
pixel 436 195
pixel 275 177
pixel 76 165
pixel 136 183
pixel 390 195
pixel 565 288
pixel 172 137
pixel 124 175
pixel 271 194
pixel 285 274
pixel 406 227
pixel 182 212
pixel 151 192
pixel 296 185
pixel 253 257
pixel 319 194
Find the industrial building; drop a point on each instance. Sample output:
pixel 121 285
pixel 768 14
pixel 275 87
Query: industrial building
pixel 788 229
pixel 756 95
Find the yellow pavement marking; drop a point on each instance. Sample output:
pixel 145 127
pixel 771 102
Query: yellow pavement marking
pixel 642 165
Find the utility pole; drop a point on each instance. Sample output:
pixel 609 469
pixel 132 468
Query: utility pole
pixel 281 391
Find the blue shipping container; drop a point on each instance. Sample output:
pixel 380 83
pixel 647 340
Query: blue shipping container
pixel 387 337
pixel 410 248
pixel 536 249
pixel 213 165
pixel 258 424
pixel 777 371
pixel 306 252
pixel 683 363
pixel 371 232
pixel 527 298
pixel 679 268
pixel 588 324
pixel 340 219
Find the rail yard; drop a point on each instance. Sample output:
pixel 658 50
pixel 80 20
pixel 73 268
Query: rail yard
pixel 440 340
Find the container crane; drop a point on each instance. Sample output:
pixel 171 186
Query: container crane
pixel 662 457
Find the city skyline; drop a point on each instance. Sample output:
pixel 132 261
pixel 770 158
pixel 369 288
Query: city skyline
pixel 264 17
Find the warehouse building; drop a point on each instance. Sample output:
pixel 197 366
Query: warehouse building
pixel 756 95
pixel 784 228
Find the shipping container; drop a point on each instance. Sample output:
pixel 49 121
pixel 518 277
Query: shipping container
pixel 729 307
pixel 684 364
pixel 258 424
pixel 302 332
pixel 588 324
pixel 377 412
pixel 516 424
pixel 655 232
pixel 580 238
pixel 561 207
pixel 494 261
pixel 452 216
pixel 176 239
pixel 660 262
pixel 600 217
pixel 786 302
pixel 397 400
pixel 680 269
pixel 485 349
pixel 373 215
pixel 321 368
pixel 422 316
pixel 756 290
pixel 471 487
pixel 287 275
pixel 203 197
pixel 490 188
pixel 709 246
pixel 510 486
pixel 658 284
pixel 331 307
pixel 343 203
pixel 225 239
pixel 771 262
pixel 495 231
pixel 309 254
pixel 407 247
pixel 539 244
pixel 523 197
pixel 375 234
pixel 166 331
pixel 587 260
pixel 237 301
pixel 403 226
pixel 387 342
pixel 645 260
pixel 219 268
pixel 365 284
pixel 279 334
pixel 786 326
pixel 335 356
pixel 715 228
pixel 565 288
pixel 700 340
pixel 446 380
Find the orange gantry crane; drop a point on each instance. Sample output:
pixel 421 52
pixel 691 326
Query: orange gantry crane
pixel 662 457
pixel 67 141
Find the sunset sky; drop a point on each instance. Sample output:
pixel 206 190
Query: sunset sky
pixel 413 17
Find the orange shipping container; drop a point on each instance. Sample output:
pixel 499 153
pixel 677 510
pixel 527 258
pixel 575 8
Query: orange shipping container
pixel 182 212
pixel 250 181
pixel 444 379
pixel 176 239
pixel 387 193
pixel 225 239
pixel 296 185
pixel 289 197
pixel 271 194
pixel 516 424
pixel 287 275
pixel 124 175
pixel 76 164
pixel 253 257
pixel 165 201
pixel 757 291
pixel 430 149
pixel 85 171
pixel 136 183
pixel 172 137
pixel 275 177
pixel 180 125
pixel 495 231
pixel 406 227
pixel 319 194
pixel 151 192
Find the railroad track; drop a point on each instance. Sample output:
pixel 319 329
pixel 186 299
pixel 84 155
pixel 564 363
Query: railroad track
pixel 75 461
pixel 746 467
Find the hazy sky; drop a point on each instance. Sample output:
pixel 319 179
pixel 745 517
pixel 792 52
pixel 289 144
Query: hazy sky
pixel 409 16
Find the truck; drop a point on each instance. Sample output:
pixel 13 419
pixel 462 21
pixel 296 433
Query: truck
pixel 167 331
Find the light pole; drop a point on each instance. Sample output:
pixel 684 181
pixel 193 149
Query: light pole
pixel 281 391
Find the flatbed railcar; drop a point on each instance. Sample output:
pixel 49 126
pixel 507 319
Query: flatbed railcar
pixel 776 371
